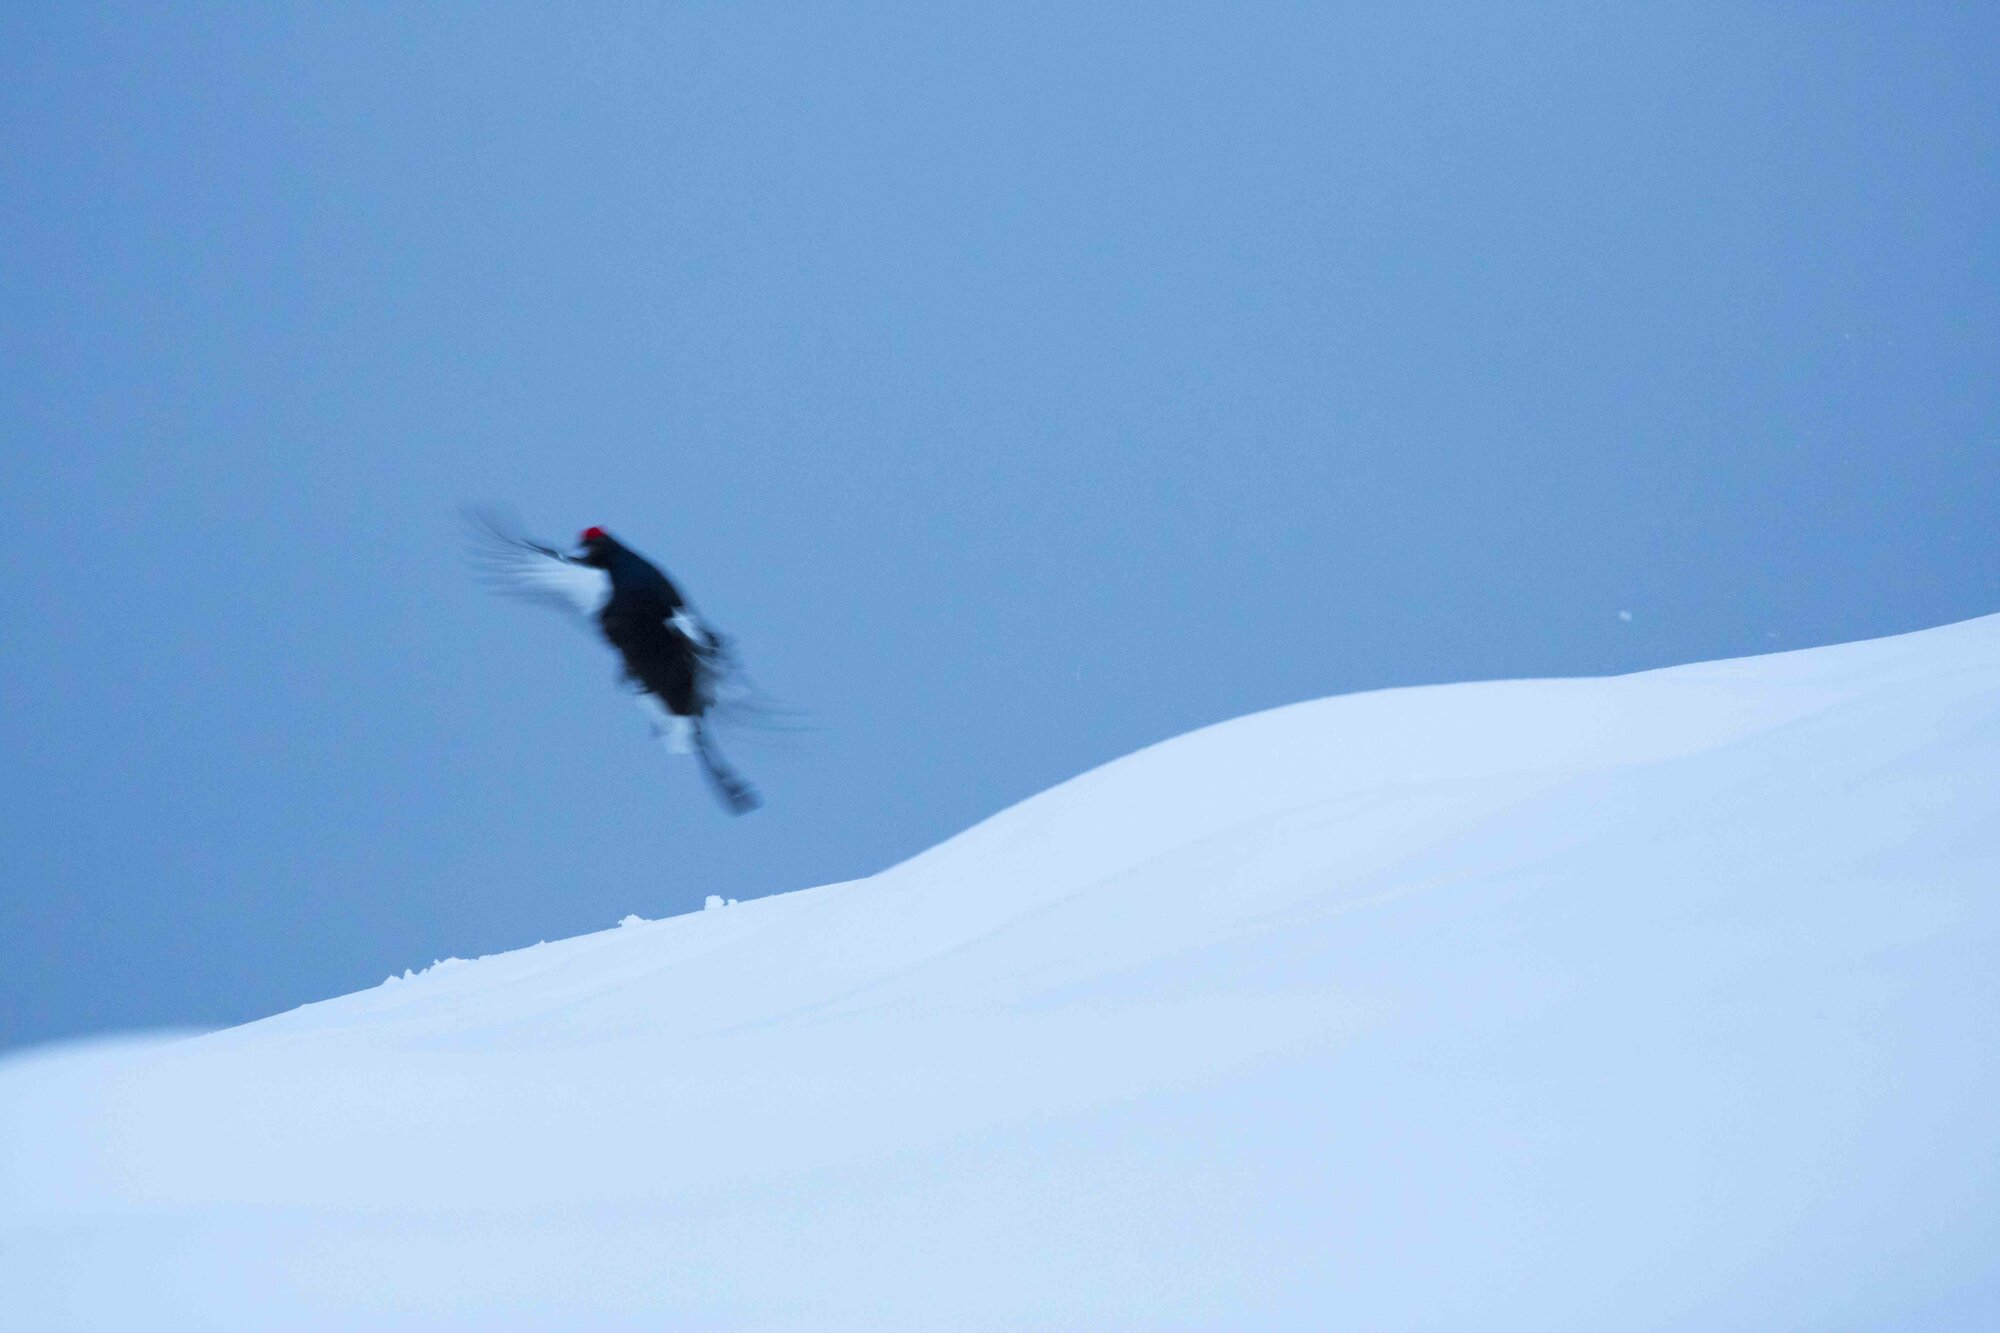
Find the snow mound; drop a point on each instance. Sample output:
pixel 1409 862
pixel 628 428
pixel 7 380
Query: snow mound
pixel 1664 1000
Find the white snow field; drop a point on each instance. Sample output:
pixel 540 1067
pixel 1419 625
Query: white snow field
pixel 1669 1001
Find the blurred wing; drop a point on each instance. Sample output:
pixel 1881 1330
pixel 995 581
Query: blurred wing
pixel 511 564
pixel 735 698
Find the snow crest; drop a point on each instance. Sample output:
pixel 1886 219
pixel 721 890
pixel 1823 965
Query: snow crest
pixel 1656 1001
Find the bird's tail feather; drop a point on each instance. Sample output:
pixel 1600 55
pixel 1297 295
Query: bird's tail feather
pixel 739 796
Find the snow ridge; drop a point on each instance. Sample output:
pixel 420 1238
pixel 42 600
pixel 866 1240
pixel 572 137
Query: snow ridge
pixel 1655 1001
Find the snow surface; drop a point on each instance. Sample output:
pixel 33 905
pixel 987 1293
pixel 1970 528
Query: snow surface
pixel 1663 1001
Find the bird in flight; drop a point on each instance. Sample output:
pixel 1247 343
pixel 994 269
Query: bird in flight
pixel 674 662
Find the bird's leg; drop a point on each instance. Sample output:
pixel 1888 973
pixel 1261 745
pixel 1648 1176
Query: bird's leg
pixel 675 731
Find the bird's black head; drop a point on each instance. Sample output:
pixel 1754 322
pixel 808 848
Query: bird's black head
pixel 597 547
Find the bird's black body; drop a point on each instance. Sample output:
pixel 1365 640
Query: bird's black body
pixel 644 621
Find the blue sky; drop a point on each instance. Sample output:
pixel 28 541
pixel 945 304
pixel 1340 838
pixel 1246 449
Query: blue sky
pixel 1020 386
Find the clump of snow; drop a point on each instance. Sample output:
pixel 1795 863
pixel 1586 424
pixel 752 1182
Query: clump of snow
pixel 437 965
pixel 632 920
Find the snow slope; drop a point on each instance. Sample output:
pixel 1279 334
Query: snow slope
pixel 1662 1001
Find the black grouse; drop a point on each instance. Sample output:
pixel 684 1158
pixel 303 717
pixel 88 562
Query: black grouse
pixel 671 659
